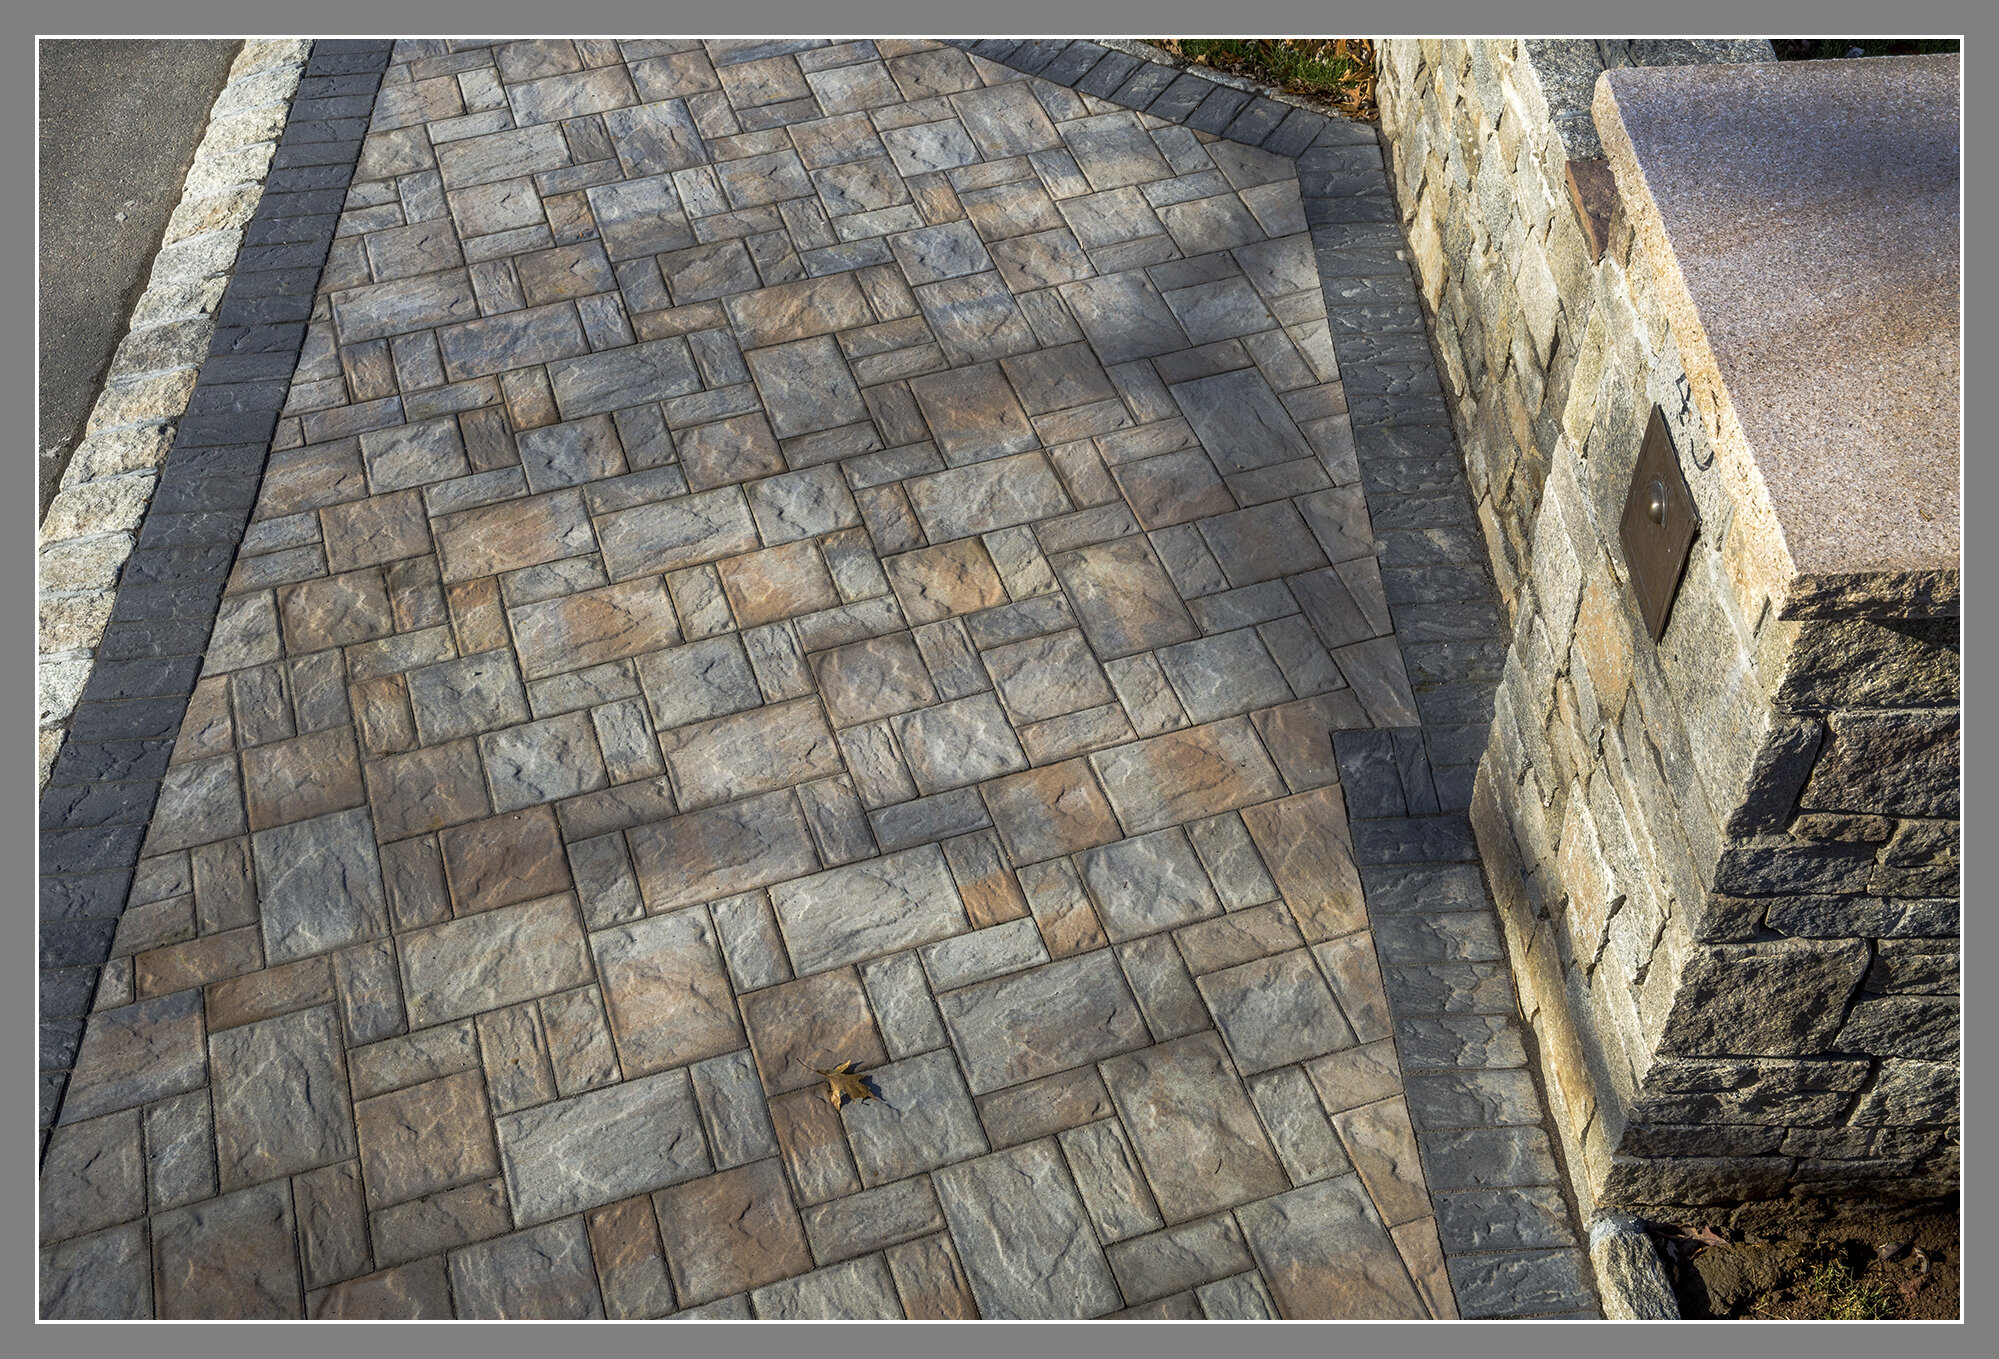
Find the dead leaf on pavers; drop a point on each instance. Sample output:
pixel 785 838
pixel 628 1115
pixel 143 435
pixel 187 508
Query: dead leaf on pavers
pixel 843 1083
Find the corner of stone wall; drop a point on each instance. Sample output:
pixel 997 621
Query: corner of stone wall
pixel 93 520
pixel 1725 863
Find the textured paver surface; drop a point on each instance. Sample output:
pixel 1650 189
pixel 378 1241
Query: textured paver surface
pixel 779 554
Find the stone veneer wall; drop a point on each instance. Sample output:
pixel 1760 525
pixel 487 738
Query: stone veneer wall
pixel 1727 864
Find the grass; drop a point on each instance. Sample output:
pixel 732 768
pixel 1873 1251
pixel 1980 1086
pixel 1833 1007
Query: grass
pixel 1834 1294
pixel 1339 71
pixel 1830 49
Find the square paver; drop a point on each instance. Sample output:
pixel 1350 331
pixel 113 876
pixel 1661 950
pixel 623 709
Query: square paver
pixel 740 448
pixel 1047 676
pixel 731 1232
pixel 229 1257
pixel 1123 597
pixel 1223 675
pixel 953 744
pixel 431 1136
pixel 1173 488
pixel 875 678
pixel 1025 1236
pixel 1262 543
pixel 922 1119
pixel 1057 809
pixel 813 1023
pixel 806 386
pixel 973 412
pixel 319 885
pixel 1125 318
pixel 701 680
pixel 1326 1254
pixel 1239 419
pixel 1147 884
pixel 667 991
pixel 1275 1011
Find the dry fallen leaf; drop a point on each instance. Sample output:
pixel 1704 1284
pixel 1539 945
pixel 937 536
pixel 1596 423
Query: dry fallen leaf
pixel 844 1083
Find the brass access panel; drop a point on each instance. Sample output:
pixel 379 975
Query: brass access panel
pixel 1659 526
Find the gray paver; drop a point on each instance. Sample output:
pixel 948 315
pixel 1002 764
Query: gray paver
pixel 884 1216
pixel 863 910
pixel 1149 883
pixel 280 1098
pixel 543 1272
pixel 922 1119
pixel 1275 1010
pixel 1178 1258
pixel 319 885
pixel 1108 1177
pixel 1047 1019
pixel 602 1146
pixel 1325 1253
pixel 666 987
pixel 1025 1236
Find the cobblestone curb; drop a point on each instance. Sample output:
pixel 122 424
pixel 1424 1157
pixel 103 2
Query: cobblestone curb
pixel 159 492
pixel 92 522
pixel 1508 1235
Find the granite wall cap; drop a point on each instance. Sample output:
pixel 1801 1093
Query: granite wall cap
pixel 1803 220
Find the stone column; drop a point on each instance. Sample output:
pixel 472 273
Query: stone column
pixel 1726 860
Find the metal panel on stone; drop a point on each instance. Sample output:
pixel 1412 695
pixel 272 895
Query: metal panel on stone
pixel 1658 526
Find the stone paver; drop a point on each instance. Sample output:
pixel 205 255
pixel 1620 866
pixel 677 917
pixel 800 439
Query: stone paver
pixel 780 553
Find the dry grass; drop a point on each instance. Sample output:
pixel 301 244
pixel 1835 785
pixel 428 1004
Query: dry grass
pixel 1336 71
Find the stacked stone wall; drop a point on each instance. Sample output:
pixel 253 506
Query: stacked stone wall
pixel 1727 862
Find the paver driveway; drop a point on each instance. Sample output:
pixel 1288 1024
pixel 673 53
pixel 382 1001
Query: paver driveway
pixel 777 554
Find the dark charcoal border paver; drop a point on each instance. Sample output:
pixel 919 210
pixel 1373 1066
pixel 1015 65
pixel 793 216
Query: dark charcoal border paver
pixel 100 795
pixel 1407 790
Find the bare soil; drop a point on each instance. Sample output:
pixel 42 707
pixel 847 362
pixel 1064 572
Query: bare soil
pixel 1899 1267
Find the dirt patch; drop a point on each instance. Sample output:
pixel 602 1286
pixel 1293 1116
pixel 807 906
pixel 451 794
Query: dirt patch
pixel 1894 1267
pixel 1337 74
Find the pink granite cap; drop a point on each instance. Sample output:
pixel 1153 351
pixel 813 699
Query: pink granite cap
pixel 1803 219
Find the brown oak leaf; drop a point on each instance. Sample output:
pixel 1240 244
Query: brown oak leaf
pixel 843 1083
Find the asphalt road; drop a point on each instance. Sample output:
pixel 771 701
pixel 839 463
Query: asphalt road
pixel 119 122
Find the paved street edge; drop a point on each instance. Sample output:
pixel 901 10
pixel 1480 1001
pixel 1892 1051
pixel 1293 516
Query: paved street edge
pixel 92 522
pixel 168 532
